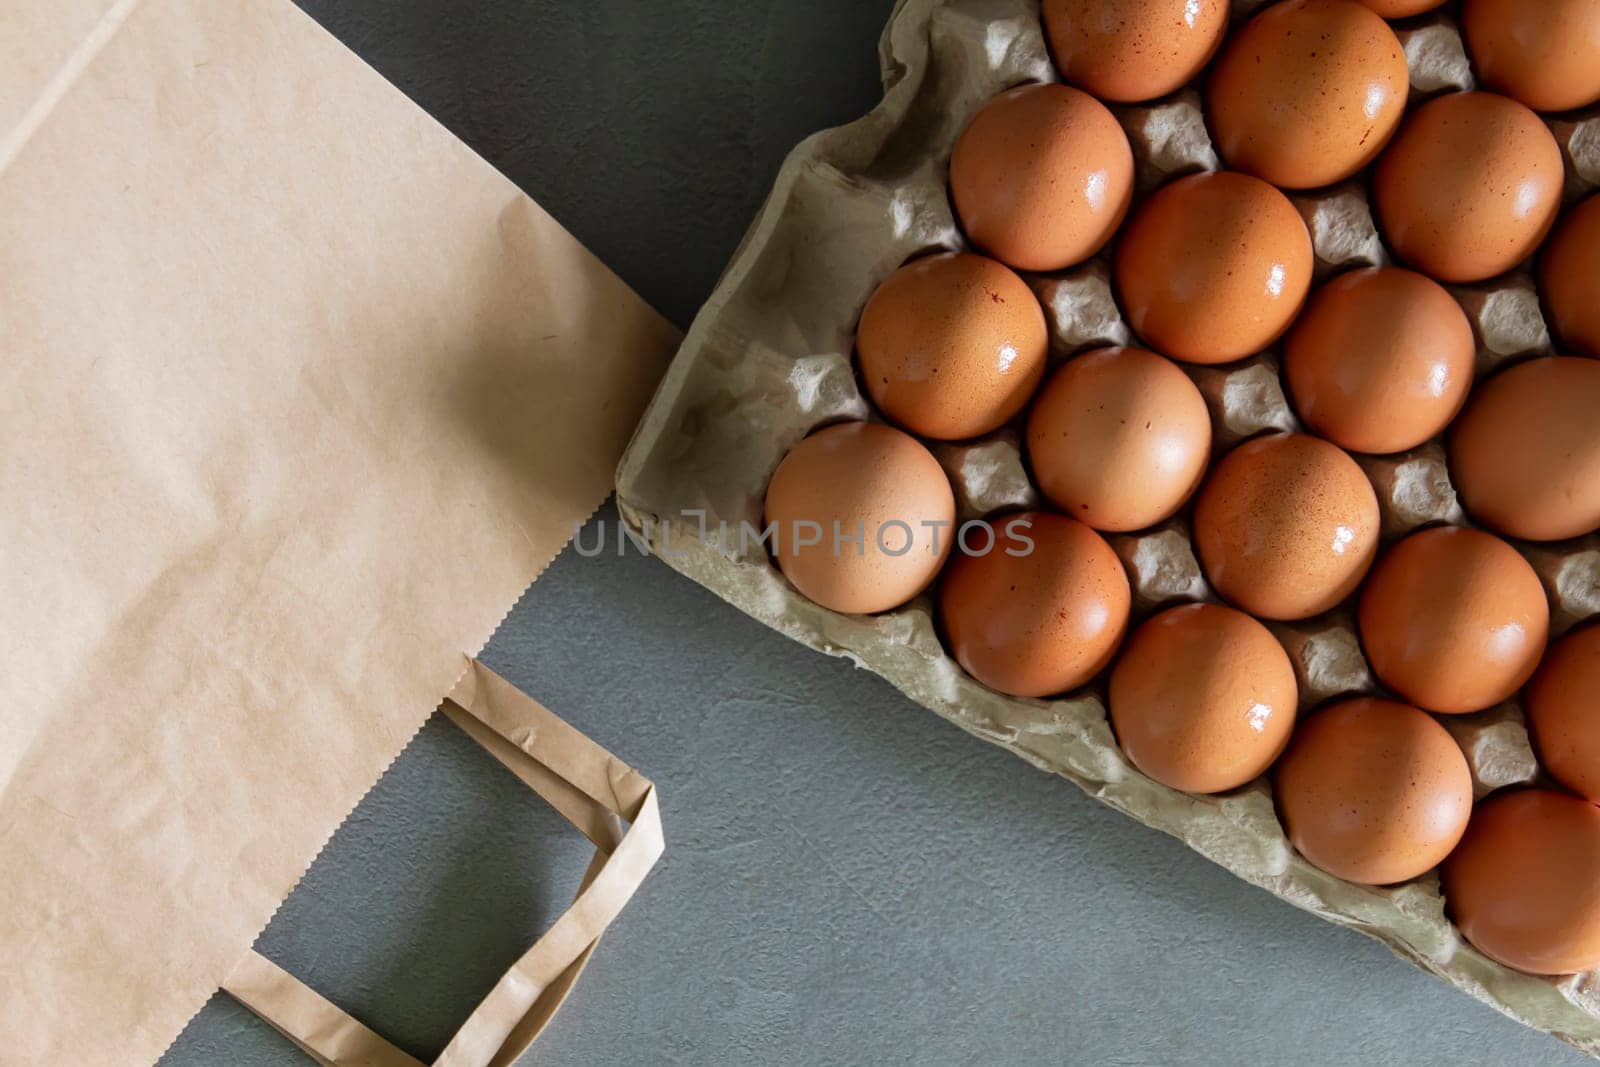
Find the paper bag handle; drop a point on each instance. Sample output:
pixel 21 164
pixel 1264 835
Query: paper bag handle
pixel 590 787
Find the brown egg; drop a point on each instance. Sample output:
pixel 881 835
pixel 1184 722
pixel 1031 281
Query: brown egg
pixel 1563 706
pixel 1214 267
pixel 1038 613
pixel 1569 278
pixel 1524 884
pixel 1453 619
pixel 1545 53
pixel 1373 791
pixel 1119 438
pixel 1286 526
pixel 1401 9
pixel 1203 698
pixel 857 510
pixel 1469 186
pixel 1042 177
pixel 1525 454
pixel 1307 92
pixel 1132 50
pixel 1380 360
pixel 952 346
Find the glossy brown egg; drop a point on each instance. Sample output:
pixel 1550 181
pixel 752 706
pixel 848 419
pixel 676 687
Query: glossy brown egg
pixel 1213 267
pixel 1373 791
pixel 1039 613
pixel 1119 438
pixel 1132 50
pixel 1380 360
pixel 1468 187
pixel 1286 526
pixel 1401 9
pixel 1545 53
pixel 1042 177
pixel 1203 698
pixel 1563 708
pixel 1569 278
pixel 1307 92
pixel 862 517
pixel 952 346
pixel 1525 453
pixel 1453 619
pixel 1524 884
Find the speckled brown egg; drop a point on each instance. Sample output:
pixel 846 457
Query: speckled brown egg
pixel 1400 9
pixel 1037 610
pixel 1524 884
pixel 1545 53
pixel 1202 698
pixel 1525 453
pixel 1380 360
pixel 1213 267
pixel 1286 526
pixel 861 515
pixel 1569 278
pixel 1373 791
pixel 1042 177
pixel 1453 619
pixel 1563 707
pixel 952 346
pixel 1468 187
pixel 1307 92
pixel 1119 438
pixel 1132 50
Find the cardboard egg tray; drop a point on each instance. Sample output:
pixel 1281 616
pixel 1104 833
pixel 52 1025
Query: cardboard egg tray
pixel 769 359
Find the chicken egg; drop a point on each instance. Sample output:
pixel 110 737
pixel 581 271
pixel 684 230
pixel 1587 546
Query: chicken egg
pixel 1203 698
pixel 1469 186
pixel 952 346
pixel 1569 278
pixel 861 516
pixel 1133 50
pixel 1042 177
pixel 1524 884
pixel 1563 707
pixel 1119 438
pixel 1453 619
pixel 1307 92
pixel 1037 609
pixel 1286 526
pixel 1373 791
pixel 1213 267
pixel 1545 53
pixel 1380 360
pixel 1525 453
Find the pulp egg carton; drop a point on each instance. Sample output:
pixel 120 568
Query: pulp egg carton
pixel 769 359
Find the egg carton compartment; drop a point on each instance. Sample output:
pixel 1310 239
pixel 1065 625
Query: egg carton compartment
pixel 988 475
pixel 769 360
pixel 1579 139
pixel 1436 55
pixel 1496 746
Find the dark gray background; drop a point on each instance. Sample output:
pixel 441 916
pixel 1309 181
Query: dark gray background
pixel 848 879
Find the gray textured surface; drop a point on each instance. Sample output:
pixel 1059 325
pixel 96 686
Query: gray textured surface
pixel 848 879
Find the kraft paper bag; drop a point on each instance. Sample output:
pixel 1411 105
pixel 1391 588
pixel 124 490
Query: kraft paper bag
pixel 297 395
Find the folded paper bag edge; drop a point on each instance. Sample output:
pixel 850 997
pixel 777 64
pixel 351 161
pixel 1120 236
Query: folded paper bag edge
pixel 59 84
pixel 513 1014
pixel 315 1025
